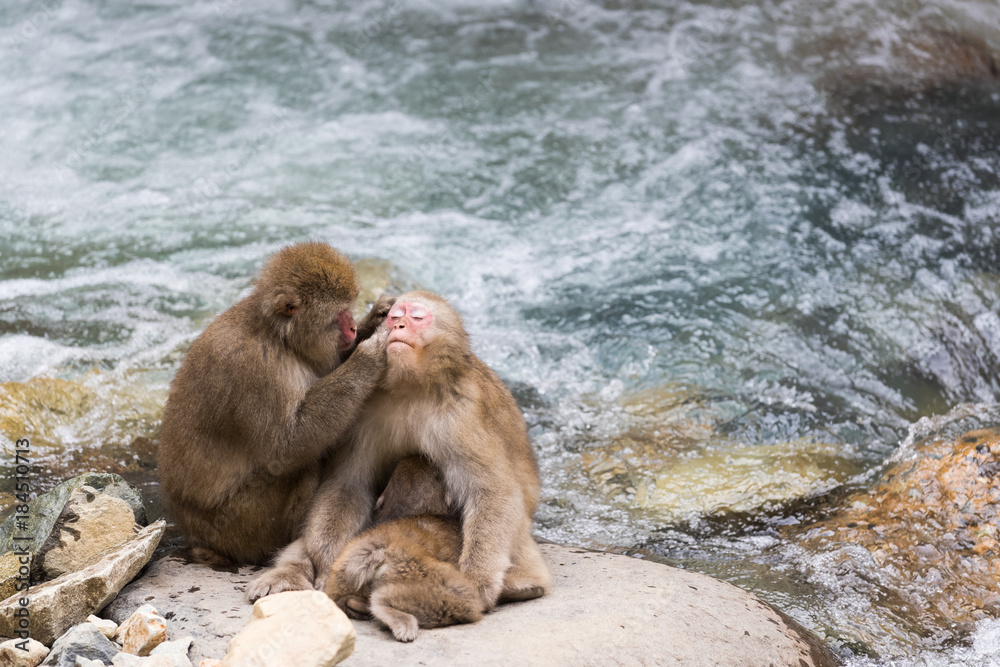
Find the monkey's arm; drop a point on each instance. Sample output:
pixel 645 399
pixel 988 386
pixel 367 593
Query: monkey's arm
pixel 329 408
pixel 340 510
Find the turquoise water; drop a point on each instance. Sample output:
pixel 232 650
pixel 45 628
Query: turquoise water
pixel 790 209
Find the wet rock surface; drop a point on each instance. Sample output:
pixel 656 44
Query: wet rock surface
pixel 670 463
pixel 923 538
pixel 604 609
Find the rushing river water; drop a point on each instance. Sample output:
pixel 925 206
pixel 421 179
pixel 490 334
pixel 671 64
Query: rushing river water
pixel 776 222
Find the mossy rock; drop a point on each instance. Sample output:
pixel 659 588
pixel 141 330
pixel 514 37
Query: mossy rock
pixel 46 508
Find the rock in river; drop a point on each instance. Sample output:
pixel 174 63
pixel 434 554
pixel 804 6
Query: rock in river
pixel 604 609
pixel 927 535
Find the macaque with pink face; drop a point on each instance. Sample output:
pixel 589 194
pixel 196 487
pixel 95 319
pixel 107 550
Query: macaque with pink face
pixel 437 399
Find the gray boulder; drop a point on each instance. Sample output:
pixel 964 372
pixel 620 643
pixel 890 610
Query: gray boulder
pixel 603 609
pixel 84 641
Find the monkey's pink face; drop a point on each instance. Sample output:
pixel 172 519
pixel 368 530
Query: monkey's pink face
pixel 409 324
pixel 348 329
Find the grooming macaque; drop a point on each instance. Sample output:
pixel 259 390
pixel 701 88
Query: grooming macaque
pixel 261 399
pixel 437 399
pixel 405 569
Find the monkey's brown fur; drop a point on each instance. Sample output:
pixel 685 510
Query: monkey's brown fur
pixel 439 400
pixel 404 570
pixel 261 399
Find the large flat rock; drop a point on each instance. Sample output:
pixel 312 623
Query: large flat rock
pixel 604 609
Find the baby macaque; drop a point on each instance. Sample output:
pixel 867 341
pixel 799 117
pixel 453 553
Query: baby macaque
pixel 404 571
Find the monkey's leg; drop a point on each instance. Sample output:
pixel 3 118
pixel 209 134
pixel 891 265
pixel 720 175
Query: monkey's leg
pixel 491 522
pixel 404 626
pixel 340 511
pixel 292 571
pixel 528 577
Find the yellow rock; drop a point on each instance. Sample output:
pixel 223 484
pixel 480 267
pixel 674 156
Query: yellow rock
pixel 35 409
pixel 668 463
pixel 9 565
pixel 142 631
pixel 931 517
pixel 376 277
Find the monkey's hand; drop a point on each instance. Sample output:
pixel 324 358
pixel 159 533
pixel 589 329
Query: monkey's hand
pixel 381 307
pixel 277 580
pixel 373 349
pixel 372 322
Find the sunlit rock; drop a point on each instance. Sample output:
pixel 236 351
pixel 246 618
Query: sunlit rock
pixel 90 525
pixel 68 600
pixel 107 627
pixel 670 464
pixel 927 535
pixel 376 277
pixel 167 654
pixel 293 629
pixel 143 631
pixel 602 609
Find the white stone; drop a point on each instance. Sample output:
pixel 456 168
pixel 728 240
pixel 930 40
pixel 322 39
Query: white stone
pixel 12 655
pixel 293 629
pixel 107 627
pixel 144 630
pixel 175 651
pixel 87 662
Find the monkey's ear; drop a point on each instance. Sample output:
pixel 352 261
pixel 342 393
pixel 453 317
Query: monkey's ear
pixel 285 302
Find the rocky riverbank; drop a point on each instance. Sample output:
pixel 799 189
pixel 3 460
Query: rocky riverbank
pixel 88 543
